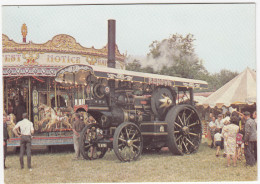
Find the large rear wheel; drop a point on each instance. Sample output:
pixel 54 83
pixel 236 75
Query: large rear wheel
pixel 184 129
pixel 128 142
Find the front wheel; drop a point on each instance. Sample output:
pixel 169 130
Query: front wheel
pixel 184 129
pixel 128 142
pixel 90 149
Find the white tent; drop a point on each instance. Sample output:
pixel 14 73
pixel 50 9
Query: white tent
pixel 240 90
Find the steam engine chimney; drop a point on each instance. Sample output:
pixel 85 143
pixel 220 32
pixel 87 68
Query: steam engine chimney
pixel 111 59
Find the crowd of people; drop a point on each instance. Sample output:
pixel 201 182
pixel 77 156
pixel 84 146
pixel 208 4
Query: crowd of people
pixel 236 134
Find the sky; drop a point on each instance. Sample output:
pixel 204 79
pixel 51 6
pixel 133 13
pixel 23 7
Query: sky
pixel 224 33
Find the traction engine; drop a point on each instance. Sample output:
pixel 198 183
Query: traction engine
pixel 135 111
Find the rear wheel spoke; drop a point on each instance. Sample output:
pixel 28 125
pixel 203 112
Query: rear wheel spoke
pixel 194 134
pixel 189 141
pixel 193 124
pixel 175 123
pixel 178 138
pixel 180 120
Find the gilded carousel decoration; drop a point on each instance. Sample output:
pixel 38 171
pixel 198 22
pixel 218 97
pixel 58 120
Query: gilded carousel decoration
pixel 62 50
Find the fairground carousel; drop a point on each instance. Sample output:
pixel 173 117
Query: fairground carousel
pixel 29 70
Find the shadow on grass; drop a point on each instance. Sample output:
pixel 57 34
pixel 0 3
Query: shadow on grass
pixel 37 150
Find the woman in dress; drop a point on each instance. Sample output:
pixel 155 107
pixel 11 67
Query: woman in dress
pixel 230 132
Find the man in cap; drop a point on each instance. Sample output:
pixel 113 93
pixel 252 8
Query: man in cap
pixel 250 139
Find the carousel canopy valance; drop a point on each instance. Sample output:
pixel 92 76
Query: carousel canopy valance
pixel 45 59
pixel 80 74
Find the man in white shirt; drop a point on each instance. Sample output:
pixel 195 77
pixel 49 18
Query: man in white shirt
pixel 26 128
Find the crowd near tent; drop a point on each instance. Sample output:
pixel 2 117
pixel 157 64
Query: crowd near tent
pixel 239 94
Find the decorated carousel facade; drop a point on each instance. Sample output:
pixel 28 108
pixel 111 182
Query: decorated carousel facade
pixel 29 70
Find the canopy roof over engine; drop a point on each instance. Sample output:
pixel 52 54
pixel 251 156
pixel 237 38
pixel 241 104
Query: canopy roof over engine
pixel 80 74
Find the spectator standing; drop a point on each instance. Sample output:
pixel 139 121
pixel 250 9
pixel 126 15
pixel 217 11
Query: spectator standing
pixel 230 134
pixel 212 129
pixel 217 141
pixel 6 137
pixel 226 121
pixel 27 130
pixel 77 127
pixel 250 140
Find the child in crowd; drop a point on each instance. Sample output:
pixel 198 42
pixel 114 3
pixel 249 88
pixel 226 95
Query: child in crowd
pixel 217 141
pixel 239 145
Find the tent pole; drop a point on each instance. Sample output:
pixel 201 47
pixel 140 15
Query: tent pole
pixel 59 96
pixel 78 94
pixel 83 94
pixel 55 91
pixel 48 95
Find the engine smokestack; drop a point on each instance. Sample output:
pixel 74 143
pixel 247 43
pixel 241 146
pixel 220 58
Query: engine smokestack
pixel 111 55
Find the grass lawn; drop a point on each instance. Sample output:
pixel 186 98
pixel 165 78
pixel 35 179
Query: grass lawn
pixel 151 167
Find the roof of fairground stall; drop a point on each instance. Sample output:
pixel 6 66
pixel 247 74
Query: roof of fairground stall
pixel 239 91
pixel 31 59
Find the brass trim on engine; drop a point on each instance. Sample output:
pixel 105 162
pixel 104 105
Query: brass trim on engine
pixel 138 106
pixel 126 115
pixel 98 108
pixel 143 124
pixel 156 134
